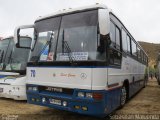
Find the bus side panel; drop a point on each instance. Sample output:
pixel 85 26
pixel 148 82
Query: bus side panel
pixel 112 100
pixel 99 78
pixel 135 87
pixel 132 71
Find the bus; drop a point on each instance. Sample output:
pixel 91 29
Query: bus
pixel 158 69
pixel 83 60
pixel 13 62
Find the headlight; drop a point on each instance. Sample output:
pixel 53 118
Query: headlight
pixel 64 103
pixel 35 88
pixel 89 95
pixel 43 100
pixel 30 88
pixel 80 94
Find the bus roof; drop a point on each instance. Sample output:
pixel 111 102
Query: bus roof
pixel 7 38
pixel 70 10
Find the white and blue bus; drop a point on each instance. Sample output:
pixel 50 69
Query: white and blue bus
pixel 13 63
pixel 83 60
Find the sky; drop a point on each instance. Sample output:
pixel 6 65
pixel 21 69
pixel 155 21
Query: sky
pixel 141 17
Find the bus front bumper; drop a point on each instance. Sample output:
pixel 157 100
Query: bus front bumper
pixel 13 92
pixel 77 105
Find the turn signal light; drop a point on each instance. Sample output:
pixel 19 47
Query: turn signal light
pixel 77 107
pixel 97 96
pixel 84 108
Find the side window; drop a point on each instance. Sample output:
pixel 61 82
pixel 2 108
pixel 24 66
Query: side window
pixel 146 59
pixel 128 44
pixel 115 55
pixel 112 32
pixel 134 49
pixel 124 40
pixel 142 56
pixel 115 35
pixel 118 38
pixel 139 53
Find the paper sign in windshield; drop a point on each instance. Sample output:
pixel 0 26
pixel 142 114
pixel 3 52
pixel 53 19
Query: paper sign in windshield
pixel 8 67
pixel 13 66
pixel 16 66
pixel 74 55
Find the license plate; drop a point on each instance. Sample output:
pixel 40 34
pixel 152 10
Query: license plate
pixel 1 90
pixel 55 101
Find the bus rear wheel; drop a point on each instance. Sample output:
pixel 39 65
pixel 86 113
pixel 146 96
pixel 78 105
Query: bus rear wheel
pixel 123 98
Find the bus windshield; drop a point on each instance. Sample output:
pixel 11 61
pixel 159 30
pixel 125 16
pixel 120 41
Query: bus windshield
pixel 3 49
pixel 69 36
pixel 18 59
pixel 13 59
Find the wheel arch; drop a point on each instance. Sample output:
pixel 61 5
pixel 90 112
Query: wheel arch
pixel 126 84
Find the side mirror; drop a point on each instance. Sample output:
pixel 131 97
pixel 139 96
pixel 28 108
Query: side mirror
pixel 24 42
pixel 23 36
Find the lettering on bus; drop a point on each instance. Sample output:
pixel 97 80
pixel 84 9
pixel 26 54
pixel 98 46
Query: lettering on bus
pixel 67 75
pixel 52 89
pixel 33 73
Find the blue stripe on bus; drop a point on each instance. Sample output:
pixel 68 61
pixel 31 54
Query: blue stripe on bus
pixel 3 76
pixel 73 67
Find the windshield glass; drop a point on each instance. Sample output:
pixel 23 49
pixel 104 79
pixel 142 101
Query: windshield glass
pixel 79 31
pixel 15 59
pixel 47 32
pixel 74 36
pixel 3 49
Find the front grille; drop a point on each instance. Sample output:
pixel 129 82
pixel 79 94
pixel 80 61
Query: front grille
pixel 55 90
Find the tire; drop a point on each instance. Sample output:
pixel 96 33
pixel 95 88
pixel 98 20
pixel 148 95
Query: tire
pixel 145 83
pixel 123 97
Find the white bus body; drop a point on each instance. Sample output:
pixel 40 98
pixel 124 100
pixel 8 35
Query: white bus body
pixel 13 87
pixel 12 70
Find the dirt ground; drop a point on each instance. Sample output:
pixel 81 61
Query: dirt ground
pixel 147 101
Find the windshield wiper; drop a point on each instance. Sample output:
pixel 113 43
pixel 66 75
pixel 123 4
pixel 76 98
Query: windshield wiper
pixel 45 46
pixel 67 47
pixel 1 58
pixel 10 58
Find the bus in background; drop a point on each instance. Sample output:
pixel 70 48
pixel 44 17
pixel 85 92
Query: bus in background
pixel 83 60
pixel 158 69
pixel 13 63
